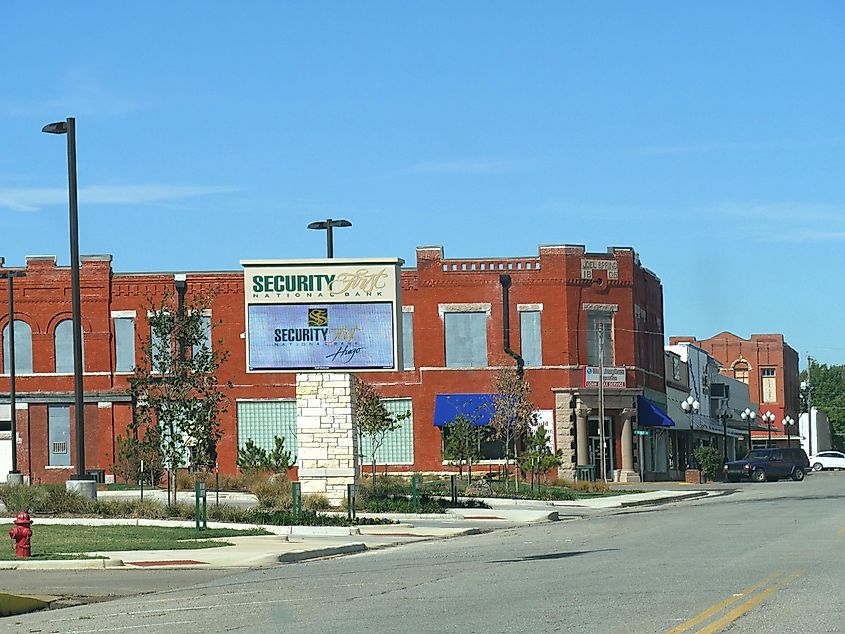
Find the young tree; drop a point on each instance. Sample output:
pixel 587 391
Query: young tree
pixel 513 413
pixel 828 395
pixel 175 387
pixel 374 419
pixel 461 444
pixel 538 457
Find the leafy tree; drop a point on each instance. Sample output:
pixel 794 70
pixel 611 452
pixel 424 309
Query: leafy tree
pixel 828 385
pixel 461 444
pixel 251 457
pixel 538 457
pixel 177 394
pixel 513 413
pixel 373 417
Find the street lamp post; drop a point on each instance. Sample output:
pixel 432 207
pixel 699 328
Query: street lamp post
pixel 327 226
pixel 807 386
pixel 788 422
pixel 691 407
pixel 748 416
pixel 81 481
pixel 768 418
pixel 14 476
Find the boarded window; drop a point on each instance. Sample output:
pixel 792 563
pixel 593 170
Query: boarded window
pixel 23 348
pixel 262 421
pixel 124 344
pixel 599 337
pixel 408 341
pixel 63 338
pixel 466 340
pixel 58 437
pixel 530 342
pixel 769 385
pixel 398 445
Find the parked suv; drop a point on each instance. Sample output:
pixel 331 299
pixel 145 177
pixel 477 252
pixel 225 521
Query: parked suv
pixel 769 464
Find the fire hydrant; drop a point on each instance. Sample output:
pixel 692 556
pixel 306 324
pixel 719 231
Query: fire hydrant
pixel 21 532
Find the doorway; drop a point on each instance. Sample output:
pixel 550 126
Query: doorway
pixel 609 446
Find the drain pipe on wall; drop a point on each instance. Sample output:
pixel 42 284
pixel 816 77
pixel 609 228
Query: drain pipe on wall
pixel 505 281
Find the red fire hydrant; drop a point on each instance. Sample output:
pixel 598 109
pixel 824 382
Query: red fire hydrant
pixel 21 532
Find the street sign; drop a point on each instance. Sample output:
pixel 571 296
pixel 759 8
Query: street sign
pixel 642 432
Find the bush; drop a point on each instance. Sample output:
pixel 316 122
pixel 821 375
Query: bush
pixel 273 492
pixel 20 498
pixel 134 509
pixel 709 460
pixel 315 502
pixel 584 486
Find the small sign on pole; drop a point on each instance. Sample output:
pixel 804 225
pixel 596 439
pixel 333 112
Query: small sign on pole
pixel 642 432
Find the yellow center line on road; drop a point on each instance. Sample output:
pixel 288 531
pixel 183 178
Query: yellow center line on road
pixel 700 618
pixel 739 610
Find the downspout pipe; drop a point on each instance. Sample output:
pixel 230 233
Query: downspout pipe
pixel 505 281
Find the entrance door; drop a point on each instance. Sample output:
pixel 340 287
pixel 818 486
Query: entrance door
pixel 609 444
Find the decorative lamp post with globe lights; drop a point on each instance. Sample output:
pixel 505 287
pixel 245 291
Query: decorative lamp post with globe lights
pixel 691 407
pixel 748 416
pixel 788 423
pixel 768 418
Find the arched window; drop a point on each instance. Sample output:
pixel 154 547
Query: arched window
pixel 64 347
pixel 23 348
pixel 740 368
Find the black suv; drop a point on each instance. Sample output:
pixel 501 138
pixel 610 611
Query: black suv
pixel 769 464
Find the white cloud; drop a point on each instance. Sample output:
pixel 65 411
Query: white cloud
pixel 33 198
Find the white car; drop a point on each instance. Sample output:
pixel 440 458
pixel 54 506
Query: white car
pixel 827 460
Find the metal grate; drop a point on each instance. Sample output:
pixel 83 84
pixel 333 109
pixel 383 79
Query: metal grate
pixel 60 447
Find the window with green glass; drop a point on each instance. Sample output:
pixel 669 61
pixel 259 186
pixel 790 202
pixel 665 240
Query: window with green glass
pixel 398 445
pixel 262 421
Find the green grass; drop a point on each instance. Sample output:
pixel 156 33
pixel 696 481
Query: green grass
pixel 60 541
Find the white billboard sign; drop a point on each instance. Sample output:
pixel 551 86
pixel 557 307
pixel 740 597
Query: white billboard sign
pixel 337 314
pixel 613 377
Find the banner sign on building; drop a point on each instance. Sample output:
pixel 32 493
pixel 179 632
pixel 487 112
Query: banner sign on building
pixel 613 377
pixel 336 314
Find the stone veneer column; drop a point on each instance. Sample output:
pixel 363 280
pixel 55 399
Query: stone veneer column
pixel 327 452
pixel 564 434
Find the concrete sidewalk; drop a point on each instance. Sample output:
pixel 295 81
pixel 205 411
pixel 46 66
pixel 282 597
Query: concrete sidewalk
pixel 288 544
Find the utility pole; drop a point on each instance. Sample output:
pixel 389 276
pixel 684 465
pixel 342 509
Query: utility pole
pixel 809 406
pixel 603 459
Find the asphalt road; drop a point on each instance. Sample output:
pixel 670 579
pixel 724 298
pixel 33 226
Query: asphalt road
pixel 767 558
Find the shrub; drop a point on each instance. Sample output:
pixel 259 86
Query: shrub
pixel 135 509
pixel 20 498
pixel 230 513
pixel 273 492
pixel 709 460
pixel 59 499
pixel 315 502
pixel 251 457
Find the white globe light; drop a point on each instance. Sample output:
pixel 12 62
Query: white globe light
pixel 696 405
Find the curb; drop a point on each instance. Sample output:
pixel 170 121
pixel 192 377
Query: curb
pixel 318 553
pixel 61 564
pixel 674 498
pixel 14 604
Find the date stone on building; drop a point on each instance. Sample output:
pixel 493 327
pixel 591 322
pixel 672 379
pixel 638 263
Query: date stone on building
pixel 325 429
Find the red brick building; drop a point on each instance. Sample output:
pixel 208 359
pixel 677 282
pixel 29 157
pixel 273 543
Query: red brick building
pixel 453 344
pixel 769 366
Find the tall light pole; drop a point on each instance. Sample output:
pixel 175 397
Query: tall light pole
pixel 768 418
pixel 788 422
pixel 749 415
pixel 327 225
pixel 68 128
pixel 807 386
pixel 14 476
pixel 691 407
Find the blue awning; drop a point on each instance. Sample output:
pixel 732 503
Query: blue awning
pixel 476 408
pixel 649 415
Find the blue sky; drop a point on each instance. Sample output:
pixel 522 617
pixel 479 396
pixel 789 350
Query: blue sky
pixel 709 136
